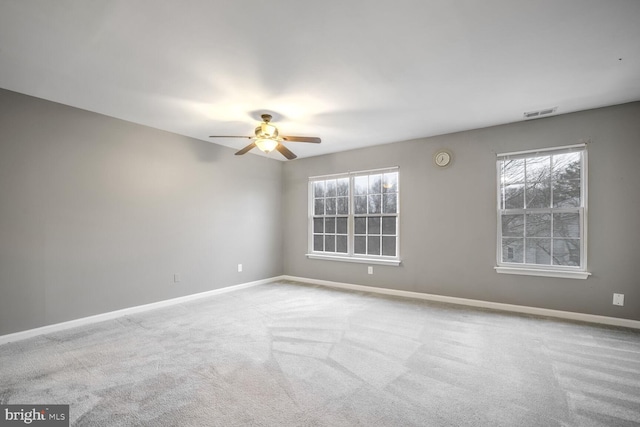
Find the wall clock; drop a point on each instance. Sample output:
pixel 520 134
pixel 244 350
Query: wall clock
pixel 442 158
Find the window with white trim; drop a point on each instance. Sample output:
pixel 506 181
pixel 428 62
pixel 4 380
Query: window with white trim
pixel 542 210
pixel 354 216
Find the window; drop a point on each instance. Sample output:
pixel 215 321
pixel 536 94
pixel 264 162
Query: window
pixel 354 216
pixel 330 215
pixel 542 212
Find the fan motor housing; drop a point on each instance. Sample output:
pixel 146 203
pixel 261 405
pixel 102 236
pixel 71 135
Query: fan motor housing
pixel 266 130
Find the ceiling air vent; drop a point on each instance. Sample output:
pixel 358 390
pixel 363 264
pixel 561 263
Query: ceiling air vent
pixel 539 113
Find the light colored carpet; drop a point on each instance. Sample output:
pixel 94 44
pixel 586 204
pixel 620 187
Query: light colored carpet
pixel 288 354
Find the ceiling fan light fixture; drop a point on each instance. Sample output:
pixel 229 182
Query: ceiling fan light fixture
pixel 267 139
pixel 266 144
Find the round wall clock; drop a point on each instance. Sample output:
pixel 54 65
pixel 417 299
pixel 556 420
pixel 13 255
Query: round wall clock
pixel 442 158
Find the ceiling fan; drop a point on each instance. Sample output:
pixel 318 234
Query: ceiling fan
pixel 267 139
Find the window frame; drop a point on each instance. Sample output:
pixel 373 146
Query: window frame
pixel 546 270
pixel 350 255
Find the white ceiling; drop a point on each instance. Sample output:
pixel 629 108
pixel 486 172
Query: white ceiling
pixel 353 72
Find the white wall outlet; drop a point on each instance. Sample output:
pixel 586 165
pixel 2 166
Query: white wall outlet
pixel 239 268
pixel 370 270
pixel 618 299
pixel 176 278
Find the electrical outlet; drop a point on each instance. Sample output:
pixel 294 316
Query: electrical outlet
pixel 370 270
pixel 176 278
pixel 618 299
pixel 239 268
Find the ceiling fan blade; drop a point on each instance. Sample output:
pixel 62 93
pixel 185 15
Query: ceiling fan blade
pixel 312 139
pixel 246 149
pixel 226 136
pixel 285 152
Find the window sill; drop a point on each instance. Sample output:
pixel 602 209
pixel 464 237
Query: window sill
pixel 565 274
pixel 377 261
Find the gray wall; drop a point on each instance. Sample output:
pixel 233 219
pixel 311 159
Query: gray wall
pixel 448 219
pixel 97 214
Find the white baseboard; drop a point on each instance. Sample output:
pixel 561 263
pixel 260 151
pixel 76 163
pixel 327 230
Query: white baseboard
pixel 17 336
pixel 590 318
pixel 582 317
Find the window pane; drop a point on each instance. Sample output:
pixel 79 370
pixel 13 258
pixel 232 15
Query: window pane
pixel 360 245
pixel 360 225
pixel 330 243
pixel 538 251
pixel 374 225
pixel 360 204
pixel 361 184
pixel 341 225
pixel 566 193
pixel 319 207
pixel 538 169
pixel 390 182
pixel 512 171
pixel 538 194
pixel 343 206
pixel 373 247
pixel 512 250
pixel 318 189
pixel 389 225
pixel 375 184
pixel 331 188
pixel 566 252
pixel 538 225
pixel 566 225
pixel 388 245
pixel 341 244
pixel 375 202
pixel 318 243
pixel 567 166
pixel 513 196
pixel 318 225
pixel 329 225
pixel 330 206
pixel 538 174
pixel 390 203
pixel 513 225
pixel 342 186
